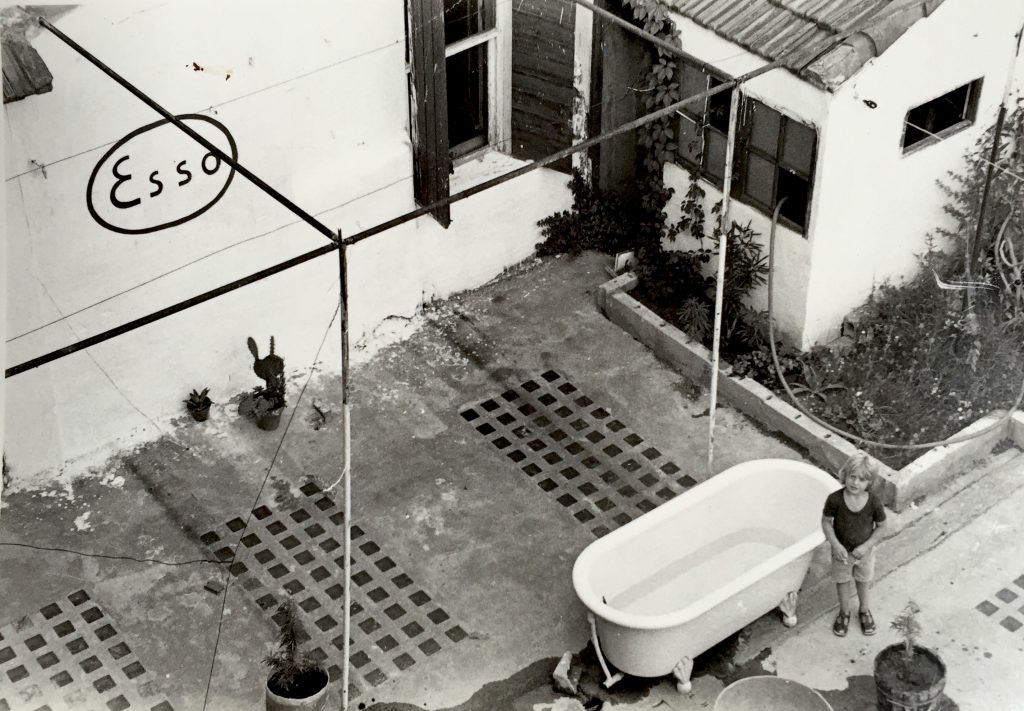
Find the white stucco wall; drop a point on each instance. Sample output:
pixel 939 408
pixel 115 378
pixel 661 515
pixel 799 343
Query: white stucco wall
pixel 316 101
pixel 784 92
pixel 876 205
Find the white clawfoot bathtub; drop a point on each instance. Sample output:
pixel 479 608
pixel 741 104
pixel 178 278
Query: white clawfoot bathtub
pixel 679 579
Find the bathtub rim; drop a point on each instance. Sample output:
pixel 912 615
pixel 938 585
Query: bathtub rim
pixel 693 497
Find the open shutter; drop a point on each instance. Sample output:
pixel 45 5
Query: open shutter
pixel 429 105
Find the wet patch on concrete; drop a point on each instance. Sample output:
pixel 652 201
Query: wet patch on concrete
pixel 601 471
pixel 68 654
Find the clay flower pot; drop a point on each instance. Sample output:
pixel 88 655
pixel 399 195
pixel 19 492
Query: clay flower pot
pixel 308 691
pixel 913 684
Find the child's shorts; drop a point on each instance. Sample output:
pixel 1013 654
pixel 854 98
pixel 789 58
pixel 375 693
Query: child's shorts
pixel 861 571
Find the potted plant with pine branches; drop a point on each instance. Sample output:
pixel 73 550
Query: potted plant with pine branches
pixel 909 677
pixel 296 681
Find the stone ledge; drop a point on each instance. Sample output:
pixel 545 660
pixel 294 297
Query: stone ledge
pixel 897 488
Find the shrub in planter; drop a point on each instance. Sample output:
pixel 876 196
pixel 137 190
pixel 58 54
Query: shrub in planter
pixel 909 677
pixel 296 680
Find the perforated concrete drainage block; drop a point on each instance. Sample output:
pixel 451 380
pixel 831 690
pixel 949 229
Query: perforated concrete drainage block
pixel 395 623
pixel 591 463
pixel 69 655
pixel 1009 604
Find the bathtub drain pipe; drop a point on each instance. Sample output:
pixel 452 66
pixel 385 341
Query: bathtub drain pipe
pixel 608 678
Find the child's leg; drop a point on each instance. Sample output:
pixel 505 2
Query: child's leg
pixel 844 590
pixel 863 589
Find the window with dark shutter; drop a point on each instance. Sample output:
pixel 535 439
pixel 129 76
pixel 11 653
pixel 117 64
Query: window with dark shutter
pixel 428 103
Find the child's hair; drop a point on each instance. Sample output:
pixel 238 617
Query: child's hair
pixel 861 464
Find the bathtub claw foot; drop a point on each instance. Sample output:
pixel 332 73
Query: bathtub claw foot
pixel 788 609
pixel 681 671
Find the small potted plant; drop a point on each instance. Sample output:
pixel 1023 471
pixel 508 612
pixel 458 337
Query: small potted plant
pixel 296 680
pixel 198 404
pixel 909 677
pixel 267 409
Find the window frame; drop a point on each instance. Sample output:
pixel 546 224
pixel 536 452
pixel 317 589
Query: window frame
pixel 498 41
pixel 688 114
pixel 746 148
pixel 970 114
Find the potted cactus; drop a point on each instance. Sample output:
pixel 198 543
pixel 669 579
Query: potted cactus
pixel 296 680
pixel 198 404
pixel 267 401
pixel 909 677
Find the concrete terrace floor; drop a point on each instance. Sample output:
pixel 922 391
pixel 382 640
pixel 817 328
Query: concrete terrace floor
pixel 440 505
pixel 489 449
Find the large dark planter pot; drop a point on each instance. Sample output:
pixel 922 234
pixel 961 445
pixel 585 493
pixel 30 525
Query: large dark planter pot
pixel 270 420
pixel 200 414
pixel 309 693
pixel 913 686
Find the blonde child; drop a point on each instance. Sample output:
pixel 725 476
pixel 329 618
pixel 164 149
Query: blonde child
pixel 854 522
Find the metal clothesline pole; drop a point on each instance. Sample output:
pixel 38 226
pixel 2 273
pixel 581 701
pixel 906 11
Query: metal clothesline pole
pixel 723 243
pixel 346 472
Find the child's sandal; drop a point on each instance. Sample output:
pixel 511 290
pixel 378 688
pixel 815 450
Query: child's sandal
pixel 867 623
pixel 841 625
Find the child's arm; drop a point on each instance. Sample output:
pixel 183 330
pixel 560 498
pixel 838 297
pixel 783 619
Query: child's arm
pixel 838 549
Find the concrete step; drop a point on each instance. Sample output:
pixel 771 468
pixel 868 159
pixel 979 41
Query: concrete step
pixel 912 533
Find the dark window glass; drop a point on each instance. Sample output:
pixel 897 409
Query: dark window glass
pixel 796 190
pixel 798 147
pixel 760 180
pixel 718 107
pixel 945 112
pixel 715 144
pixel 467 100
pixel 690 142
pixel 463 18
pixel 764 127
pixel 777 162
pixel 704 125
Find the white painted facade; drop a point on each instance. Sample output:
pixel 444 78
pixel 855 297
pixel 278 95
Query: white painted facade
pixel 315 96
pixel 872 207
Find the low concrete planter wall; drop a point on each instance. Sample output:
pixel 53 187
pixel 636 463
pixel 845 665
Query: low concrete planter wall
pixel 898 488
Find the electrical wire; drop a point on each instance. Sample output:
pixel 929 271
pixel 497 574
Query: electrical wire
pixel 199 259
pixel 832 428
pixel 234 552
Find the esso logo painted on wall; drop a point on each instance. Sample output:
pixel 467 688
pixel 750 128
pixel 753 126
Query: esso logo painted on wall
pixel 158 176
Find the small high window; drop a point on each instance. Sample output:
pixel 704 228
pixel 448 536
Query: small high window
pixel 941 117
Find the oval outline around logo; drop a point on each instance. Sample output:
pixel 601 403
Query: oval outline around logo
pixel 173 223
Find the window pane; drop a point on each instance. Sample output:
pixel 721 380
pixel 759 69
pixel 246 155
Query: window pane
pixel 689 142
pixel 764 131
pixel 715 158
pixel 759 180
pixel 718 107
pixel 798 149
pixel 467 99
pixel 796 189
pixel 694 82
pixel 938 115
pixel 463 18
